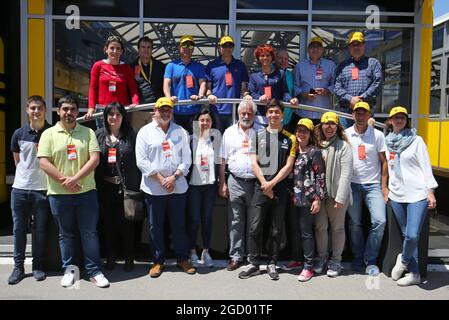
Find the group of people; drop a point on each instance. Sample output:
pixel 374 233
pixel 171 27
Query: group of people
pixel 302 167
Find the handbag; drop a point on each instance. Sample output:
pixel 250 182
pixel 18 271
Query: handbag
pixel 133 201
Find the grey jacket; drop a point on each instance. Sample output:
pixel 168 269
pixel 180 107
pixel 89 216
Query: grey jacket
pixel 339 186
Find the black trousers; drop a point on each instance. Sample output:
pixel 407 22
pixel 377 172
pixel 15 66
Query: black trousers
pixel 265 210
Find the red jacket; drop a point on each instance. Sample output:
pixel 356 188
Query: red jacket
pixel 112 83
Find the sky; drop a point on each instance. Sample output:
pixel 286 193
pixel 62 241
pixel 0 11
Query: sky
pixel 440 7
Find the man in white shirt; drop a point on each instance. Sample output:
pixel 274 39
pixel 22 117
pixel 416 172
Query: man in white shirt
pixel 163 155
pixel 368 184
pixel 239 188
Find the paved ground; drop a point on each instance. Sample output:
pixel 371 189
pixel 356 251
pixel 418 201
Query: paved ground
pixel 219 284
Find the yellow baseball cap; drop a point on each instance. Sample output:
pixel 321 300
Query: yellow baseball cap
pixel 363 105
pixel 356 36
pixel 163 102
pixel 316 39
pixel 329 117
pixel 225 39
pixel 397 110
pixel 186 38
pixel 306 123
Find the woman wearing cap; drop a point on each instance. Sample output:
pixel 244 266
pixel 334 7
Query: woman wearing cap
pixel 203 188
pixel 309 190
pixel 411 186
pixel 111 80
pixel 270 82
pixel 117 142
pixel 337 155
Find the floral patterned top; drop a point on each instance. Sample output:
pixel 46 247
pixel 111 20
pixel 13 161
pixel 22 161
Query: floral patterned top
pixel 309 178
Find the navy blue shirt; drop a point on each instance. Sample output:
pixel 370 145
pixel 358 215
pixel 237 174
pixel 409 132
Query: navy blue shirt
pixel 277 81
pixel 216 74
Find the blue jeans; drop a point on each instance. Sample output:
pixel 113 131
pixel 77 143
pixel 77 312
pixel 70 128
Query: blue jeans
pixel 201 207
pixel 345 122
pixel 157 208
pixel 410 217
pixel 24 203
pixel 80 211
pixel 372 195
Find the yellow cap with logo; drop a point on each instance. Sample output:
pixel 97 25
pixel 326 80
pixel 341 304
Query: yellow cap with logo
pixel 362 105
pixel 186 38
pixel 163 102
pixel 397 110
pixel 225 39
pixel 306 123
pixel 329 117
pixel 356 36
pixel 317 40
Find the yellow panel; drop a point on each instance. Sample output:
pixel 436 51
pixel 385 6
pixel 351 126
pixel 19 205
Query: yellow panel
pixel 2 85
pixel 3 189
pixel 433 142
pixel 2 149
pixel 2 99
pixel 426 57
pixel 36 57
pixel 2 121
pixel 2 56
pixel 444 150
pixel 36 6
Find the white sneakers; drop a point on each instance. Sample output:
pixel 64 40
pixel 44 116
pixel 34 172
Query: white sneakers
pixel 68 279
pixel 398 269
pixel 100 280
pixel 409 280
pixel 207 259
pixel 194 260
pixel 372 270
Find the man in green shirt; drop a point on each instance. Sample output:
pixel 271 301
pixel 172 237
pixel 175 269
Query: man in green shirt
pixel 68 153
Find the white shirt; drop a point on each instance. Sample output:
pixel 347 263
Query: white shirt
pixel 416 170
pixel 203 168
pixel 157 151
pixel 235 148
pixel 368 170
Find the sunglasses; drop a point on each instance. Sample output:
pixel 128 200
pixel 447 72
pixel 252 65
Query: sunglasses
pixel 187 46
pixel 114 38
pixel 227 45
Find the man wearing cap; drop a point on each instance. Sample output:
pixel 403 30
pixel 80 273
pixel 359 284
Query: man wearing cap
pixel 358 78
pixel 369 185
pixel 163 155
pixel 149 76
pixel 314 80
pixel 227 77
pixel 184 79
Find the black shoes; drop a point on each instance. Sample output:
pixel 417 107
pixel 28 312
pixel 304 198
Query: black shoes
pixel 250 271
pixel 39 275
pixel 16 276
pixel 129 265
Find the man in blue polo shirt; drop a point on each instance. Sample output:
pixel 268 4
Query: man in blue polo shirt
pixel 184 79
pixel 29 191
pixel 226 78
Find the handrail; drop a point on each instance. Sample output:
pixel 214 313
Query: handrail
pixel 235 102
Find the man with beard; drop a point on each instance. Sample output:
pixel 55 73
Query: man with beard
pixel 239 188
pixel 68 154
pixel 164 157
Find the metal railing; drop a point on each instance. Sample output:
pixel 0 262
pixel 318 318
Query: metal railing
pixel 235 102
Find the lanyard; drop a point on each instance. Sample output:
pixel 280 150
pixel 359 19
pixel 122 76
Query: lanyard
pixel 142 72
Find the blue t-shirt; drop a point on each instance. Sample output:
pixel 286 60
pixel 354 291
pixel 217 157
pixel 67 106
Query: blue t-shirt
pixel 216 74
pixel 177 71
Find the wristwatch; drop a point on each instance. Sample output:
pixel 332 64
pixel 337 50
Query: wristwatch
pixel 177 176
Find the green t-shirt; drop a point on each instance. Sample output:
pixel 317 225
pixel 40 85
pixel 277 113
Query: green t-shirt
pixel 58 146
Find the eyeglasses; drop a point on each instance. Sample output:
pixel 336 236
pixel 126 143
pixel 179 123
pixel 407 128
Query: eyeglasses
pixel 187 46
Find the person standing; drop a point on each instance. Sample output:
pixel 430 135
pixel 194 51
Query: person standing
pixel 358 78
pixel 184 79
pixel 411 190
pixel 149 76
pixel 227 77
pixel 314 80
pixel 163 156
pixel 29 191
pixel 68 154
pixel 272 157
pixel 111 80
pixel 369 185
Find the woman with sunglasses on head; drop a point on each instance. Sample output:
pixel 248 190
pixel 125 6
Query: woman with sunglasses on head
pixel 411 190
pixel 111 80
pixel 337 155
pixel 117 141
